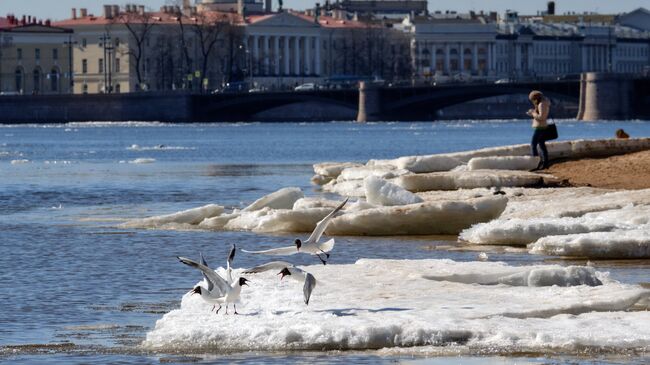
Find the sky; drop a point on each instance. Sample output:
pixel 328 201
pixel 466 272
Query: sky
pixel 60 9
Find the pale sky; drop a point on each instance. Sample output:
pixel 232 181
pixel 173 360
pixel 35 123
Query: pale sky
pixel 60 9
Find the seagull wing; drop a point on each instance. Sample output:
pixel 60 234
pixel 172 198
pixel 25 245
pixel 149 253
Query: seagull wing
pixel 327 246
pixel 322 225
pixel 282 251
pixel 273 265
pixel 205 263
pixel 231 258
pixel 218 282
pixel 310 284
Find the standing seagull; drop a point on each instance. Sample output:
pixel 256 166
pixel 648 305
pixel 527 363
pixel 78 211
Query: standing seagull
pixel 311 246
pixel 219 291
pixel 288 269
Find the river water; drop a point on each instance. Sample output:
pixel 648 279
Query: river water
pixel 74 288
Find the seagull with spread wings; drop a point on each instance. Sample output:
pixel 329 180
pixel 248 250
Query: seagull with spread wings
pixel 288 269
pixel 311 245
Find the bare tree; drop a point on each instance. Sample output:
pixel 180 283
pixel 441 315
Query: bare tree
pixel 139 25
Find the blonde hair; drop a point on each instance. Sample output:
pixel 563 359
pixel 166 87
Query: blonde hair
pixel 535 95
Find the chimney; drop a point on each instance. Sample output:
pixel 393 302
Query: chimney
pixel 240 8
pixel 74 13
pixel 108 11
pixel 141 9
pixel 550 8
pixel 48 23
pixel 29 19
pixel 84 12
pixel 23 21
pixel 186 4
pixel 116 10
pixel 268 6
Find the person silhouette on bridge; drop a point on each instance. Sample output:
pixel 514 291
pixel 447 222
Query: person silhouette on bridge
pixel 540 112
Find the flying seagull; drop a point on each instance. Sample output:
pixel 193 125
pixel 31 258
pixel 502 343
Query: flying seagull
pixel 311 245
pixel 308 280
pixel 219 291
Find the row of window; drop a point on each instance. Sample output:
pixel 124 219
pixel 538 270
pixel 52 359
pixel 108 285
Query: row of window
pixel 100 66
pixel 623 51
pixel 116 88
pixel 37 53
pixel 37 78
pixel 116 43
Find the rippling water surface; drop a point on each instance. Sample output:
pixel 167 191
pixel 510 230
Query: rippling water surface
pixel 74 288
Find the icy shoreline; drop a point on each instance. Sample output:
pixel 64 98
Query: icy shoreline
pixel 455 193
pixel 376 304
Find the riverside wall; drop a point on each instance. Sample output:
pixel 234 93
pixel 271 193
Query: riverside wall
pixel 96 107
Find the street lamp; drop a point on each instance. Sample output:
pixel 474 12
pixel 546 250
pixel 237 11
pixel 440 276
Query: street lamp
pixel 70 43
pixel 108 48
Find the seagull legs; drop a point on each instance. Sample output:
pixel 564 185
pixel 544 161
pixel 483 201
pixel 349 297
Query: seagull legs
pixel 218 309
pixel 235 305
pixel 321 259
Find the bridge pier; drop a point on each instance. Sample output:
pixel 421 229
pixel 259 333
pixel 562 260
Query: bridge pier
pixel 605 96
pixel 369 103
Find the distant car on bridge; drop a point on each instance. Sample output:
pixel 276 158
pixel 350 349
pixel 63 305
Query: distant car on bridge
pixel 310 86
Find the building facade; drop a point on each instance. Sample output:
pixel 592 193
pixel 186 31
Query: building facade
pixel 33 57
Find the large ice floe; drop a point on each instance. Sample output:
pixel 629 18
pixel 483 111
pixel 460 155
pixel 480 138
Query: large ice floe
pixel 390 211
pixel 573 223
pixel 374 304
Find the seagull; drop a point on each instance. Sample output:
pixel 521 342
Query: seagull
pixel 219 291
pixel 311 246
pixel 288 269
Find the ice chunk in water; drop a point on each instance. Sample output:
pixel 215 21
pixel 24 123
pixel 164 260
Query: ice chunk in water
pixel 382 192
pixel 190 216
pixel 281 199
pixel 632 244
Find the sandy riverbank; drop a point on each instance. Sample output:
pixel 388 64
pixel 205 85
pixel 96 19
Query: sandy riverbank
pixel 629 171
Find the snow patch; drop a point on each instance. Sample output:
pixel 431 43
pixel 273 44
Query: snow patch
pixel 453 180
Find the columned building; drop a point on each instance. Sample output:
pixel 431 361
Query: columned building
pixel 444 48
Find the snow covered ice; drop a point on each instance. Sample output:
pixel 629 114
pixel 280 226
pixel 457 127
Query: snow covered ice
pixel 375 304
pixel 382 192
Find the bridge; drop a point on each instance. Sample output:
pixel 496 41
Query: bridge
pixel 600 97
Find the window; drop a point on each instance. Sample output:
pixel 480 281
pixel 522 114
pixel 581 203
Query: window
pixel 117 65
pixel 55 54
pixel 19 80
pixel 100 67
pixel 54 80
pixel 19 53
pixel 118 89
pixel 84 43
pixel 37 80
pixel 85 89
pixel 37 53
pixel 84 66
pixel 117 42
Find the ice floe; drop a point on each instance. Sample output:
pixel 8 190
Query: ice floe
pixel 142 160
pixel 453 180
pixel 381 192
pixel 624 244
pixel 281 199
pixel 443 217
pixel 503 163
pixel 190 216
pixel 376 304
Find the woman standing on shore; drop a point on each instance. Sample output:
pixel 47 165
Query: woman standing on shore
pixel 540 116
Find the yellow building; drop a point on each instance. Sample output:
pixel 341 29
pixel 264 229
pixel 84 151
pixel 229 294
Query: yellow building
pixel 33 57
